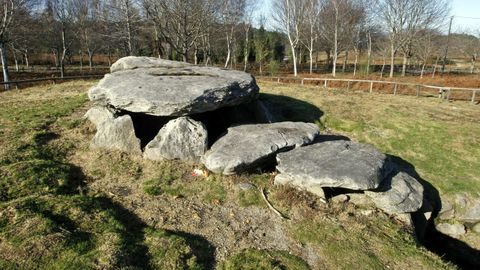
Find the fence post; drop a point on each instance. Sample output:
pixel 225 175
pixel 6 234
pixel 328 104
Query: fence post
pixel 278 80
pixel 348 85
pixel 418 90
pixel 371 87
pixel 448 94
pixel 473 96
pixel 16 85
pixel 325 84
pixel 395 89
pixel 302 81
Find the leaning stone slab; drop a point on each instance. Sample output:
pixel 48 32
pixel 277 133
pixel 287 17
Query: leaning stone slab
pixel 98 115
pixel 339 164
pixel 472 212
pixel 247 147
pixel 398 194
pixel 117 134
pixel 182 138
pixel 162 88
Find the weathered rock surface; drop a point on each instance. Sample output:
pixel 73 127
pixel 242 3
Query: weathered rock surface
pixel 398 194
pixel 117 134
pixel 472 212
pixel 247 147
pixel 182 138
pixel 166 88
pixel 98 115
pixel 451 229
pixel 282 179
pixel 343 164
pixel 447 211
pixel 476 228
pixel 134 62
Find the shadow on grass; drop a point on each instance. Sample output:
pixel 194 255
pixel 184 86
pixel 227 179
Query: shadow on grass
pixel 449 248
pixel 284 108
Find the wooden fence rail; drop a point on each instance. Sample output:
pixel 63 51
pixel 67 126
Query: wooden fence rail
pixel 444 92
pixel 54 80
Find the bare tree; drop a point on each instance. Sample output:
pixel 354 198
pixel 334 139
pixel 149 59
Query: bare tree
pixel 404 19
pixel 8 10
pixel 230 15
pixel 340 18
pixel 289 16
pixel 181 22
pixel 249 9
pixel 310 29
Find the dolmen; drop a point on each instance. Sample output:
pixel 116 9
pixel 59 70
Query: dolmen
pixel 172 110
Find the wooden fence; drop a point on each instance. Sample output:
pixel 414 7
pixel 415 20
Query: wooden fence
pixel 53 80
pixel 447 93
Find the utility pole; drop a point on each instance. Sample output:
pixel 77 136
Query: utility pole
pixel 446 47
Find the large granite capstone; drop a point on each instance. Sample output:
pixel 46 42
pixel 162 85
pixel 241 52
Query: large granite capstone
pixel 248 147
pixel 167 88
pixel 339 164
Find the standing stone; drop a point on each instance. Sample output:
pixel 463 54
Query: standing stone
pixel 182 138
pixel 398 194
pixel 117 134
pixel 247 147
pixel 98 115
pixel 342 164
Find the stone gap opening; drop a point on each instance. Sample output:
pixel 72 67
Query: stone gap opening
pixel 146 126
pixel 217 122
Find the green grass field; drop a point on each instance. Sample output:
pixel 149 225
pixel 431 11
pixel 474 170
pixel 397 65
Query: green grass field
pixel 59 207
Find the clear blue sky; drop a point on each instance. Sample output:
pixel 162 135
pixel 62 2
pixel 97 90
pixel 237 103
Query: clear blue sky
pixel 464 8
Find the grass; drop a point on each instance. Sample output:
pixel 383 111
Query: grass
pixel 439 139
pixel 57 210
pixel 263 260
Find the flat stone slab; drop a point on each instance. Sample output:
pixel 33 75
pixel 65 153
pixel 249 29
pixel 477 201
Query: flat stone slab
pixel 247 147
pixel 339 164
pixel 398 194
pixel 168 88
pixel 182 138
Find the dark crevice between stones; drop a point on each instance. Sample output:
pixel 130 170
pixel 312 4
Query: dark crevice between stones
pixel 146 126
pixel 217 122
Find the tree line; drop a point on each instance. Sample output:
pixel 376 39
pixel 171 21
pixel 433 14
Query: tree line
pixel 231 33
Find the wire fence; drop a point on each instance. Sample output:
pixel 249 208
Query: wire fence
pixel 385 87
pixel 54 80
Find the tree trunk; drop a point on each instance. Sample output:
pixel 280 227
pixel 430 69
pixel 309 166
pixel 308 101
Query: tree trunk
pixel 64 52
pixel 246 49
pixel 335 50
pixel 81 59
pixel 25 56
pixel 128 28
pixel 195 54
pixel 404 64
pixel 435 67
pixel 15 60
pixel 383 66
pixel 6 74
pixel 392 59
pixel 369 53
pixel 472 64
pixel 423 69
pixel 294 56
pixel 229 48
pixel 355 64
pixel 90 58
pixel 345 62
